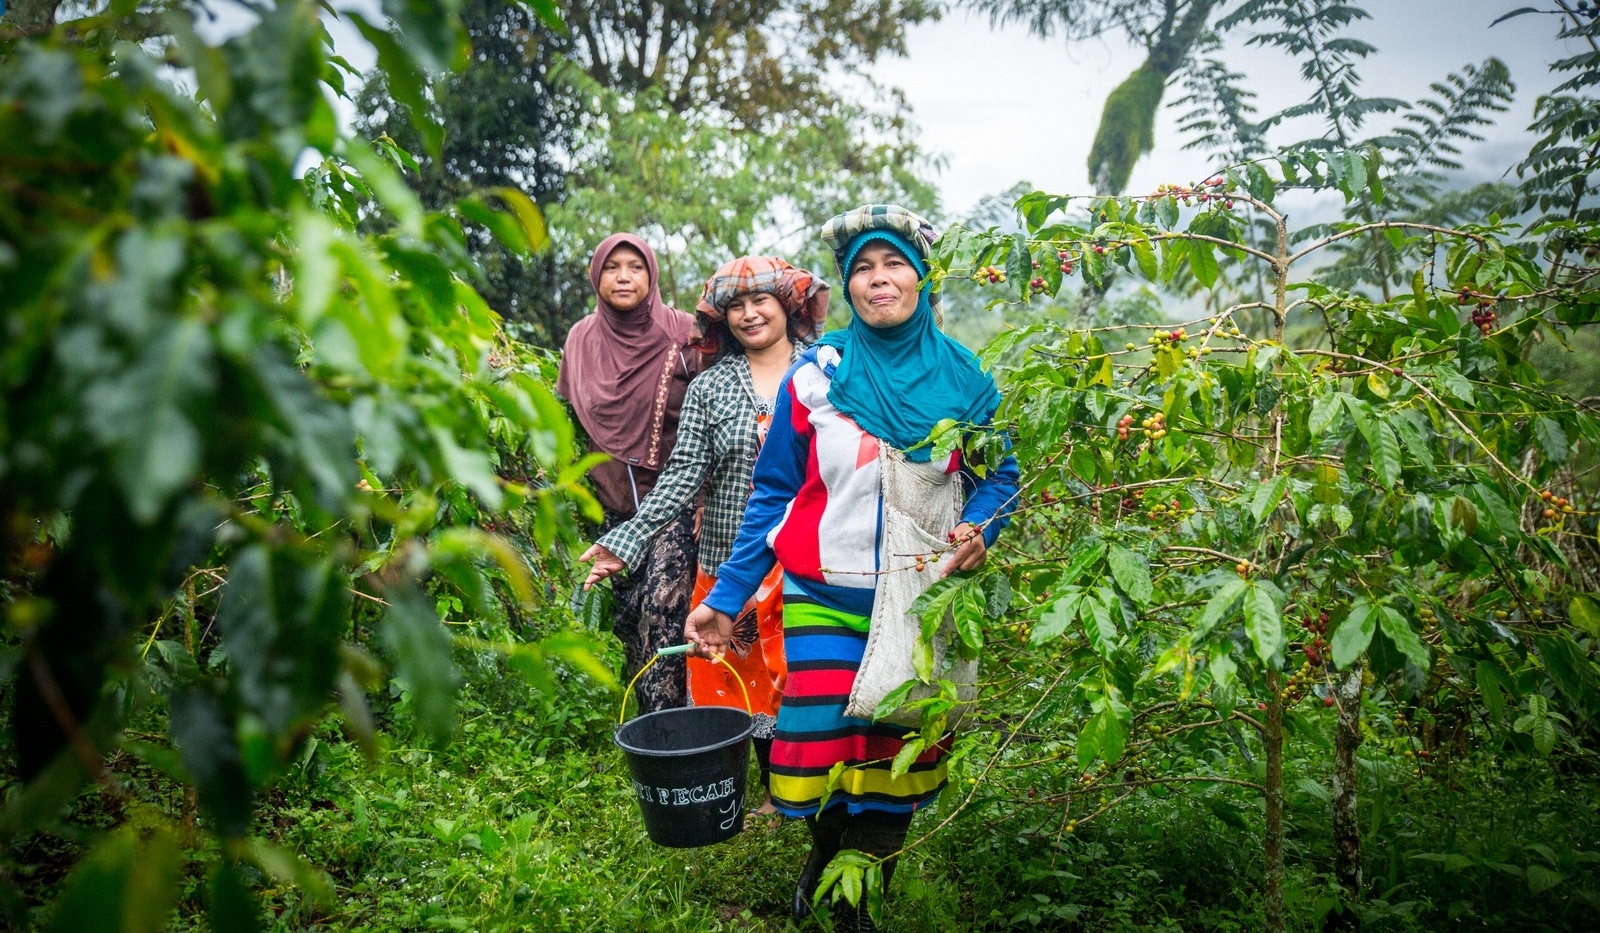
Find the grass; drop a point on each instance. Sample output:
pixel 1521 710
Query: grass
pixel 527 822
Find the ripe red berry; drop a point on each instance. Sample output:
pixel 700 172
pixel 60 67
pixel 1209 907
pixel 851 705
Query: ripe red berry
pixel 1327 701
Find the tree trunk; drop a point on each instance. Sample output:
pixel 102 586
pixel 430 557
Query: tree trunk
pixel 1346 783
pixel 31 16
pixel 1272 894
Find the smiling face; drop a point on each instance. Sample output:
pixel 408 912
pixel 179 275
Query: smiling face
pixel 624 279
pixel 757 320
pixel 883 285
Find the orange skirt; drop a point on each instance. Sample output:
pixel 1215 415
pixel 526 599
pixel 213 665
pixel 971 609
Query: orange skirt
pixel 757 655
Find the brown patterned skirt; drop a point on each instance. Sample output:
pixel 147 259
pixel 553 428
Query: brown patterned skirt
pixel 649 607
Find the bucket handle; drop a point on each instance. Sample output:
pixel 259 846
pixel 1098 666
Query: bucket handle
pixel 680 649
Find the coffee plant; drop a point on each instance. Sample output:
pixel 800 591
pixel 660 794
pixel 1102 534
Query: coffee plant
pixel 1245 528
pixel 258 430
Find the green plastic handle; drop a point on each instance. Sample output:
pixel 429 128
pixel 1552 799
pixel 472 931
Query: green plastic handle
pixel 671 650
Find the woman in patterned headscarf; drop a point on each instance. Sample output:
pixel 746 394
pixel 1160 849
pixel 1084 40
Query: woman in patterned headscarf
pixel 756 314
pixel 854 413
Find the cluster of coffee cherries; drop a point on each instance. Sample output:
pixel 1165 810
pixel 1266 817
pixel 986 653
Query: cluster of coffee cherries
pixel 1406 730
pixel 1155 426
pixel 1315 648
pixel 1173 337
pixel 1483 316
pixel 1066 261
pixel 1428 618
pixel 1212 189
pixel 1555 505
pixel 1243 568
pixel 1300 683
pixel 1173 510
pixel 989 274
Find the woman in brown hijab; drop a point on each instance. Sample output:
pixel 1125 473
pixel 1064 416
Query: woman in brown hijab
pixel 625 369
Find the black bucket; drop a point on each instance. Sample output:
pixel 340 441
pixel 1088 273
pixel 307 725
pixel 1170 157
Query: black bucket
pixel 689 767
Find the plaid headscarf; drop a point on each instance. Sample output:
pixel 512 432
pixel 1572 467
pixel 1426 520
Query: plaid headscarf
pixel 842 229
pixel 802 295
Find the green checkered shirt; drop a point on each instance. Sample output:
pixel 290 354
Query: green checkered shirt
pixel 717 440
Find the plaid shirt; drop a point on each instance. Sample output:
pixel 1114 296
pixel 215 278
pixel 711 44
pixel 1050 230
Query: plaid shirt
pixel 717 440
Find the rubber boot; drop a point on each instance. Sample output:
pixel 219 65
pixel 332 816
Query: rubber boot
pixel 827 833
pixel 879 835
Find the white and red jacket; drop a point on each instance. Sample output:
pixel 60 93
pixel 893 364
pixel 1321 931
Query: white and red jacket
pixel 816 506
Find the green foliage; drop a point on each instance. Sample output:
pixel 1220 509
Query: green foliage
pixel 1219 522
pixel 257 413
pixel 754 63
pixel 1558 170
pixel 264 441
pixel 644 167
pixel 1169 33
pixel 501 123
pixel 1221 118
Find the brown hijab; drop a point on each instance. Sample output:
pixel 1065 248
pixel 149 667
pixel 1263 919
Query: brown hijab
pixel 624 371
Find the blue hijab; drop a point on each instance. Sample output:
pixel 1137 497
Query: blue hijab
pixel 898 382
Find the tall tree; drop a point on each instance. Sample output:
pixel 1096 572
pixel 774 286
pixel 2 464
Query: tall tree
pixel 1559 171
pixel 703 189
pixel 753 59
pixel 1167 29
pixel 504 125
pixel 709 126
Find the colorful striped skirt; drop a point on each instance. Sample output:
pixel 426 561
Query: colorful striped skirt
pixel 823 647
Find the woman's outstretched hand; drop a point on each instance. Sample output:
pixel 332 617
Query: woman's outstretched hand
pixel 707 631
pixel 970 552
pixel 605 564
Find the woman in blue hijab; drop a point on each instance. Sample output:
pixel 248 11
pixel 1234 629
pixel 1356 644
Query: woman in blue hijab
pixel 854 411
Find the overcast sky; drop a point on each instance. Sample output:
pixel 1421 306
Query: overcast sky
pixel 1004 106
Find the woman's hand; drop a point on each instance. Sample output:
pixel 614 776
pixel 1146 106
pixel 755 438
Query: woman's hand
pixel 970 552
pixel 605 564
pixel 707 631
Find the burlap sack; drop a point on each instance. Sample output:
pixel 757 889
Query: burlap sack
pixel 921 506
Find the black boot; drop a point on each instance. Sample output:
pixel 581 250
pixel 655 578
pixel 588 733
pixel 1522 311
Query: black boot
pixel 827 829
pixel 848 918
pixel 879 835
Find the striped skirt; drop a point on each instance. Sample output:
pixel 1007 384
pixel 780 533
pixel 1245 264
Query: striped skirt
pixel 824 647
